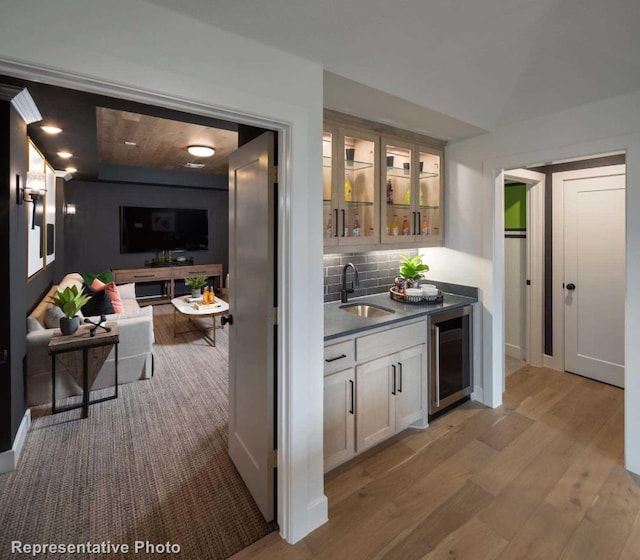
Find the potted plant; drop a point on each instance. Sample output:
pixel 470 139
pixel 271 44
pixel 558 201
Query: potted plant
pixel 411 269
pixel 70 301
pixel 196 284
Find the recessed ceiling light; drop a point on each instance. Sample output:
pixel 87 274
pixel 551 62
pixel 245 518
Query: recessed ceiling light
pixel 70 169
pixel 129 143
pixel 194 165
pixel 65 155
pixel 49 129
pixel 201 151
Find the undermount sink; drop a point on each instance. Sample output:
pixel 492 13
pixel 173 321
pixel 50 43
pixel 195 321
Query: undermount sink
pixel 366 310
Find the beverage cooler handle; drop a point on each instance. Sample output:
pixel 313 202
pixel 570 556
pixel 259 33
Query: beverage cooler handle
pixel 437 329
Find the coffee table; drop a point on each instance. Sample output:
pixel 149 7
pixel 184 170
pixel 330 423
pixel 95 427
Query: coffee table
pixel 190 310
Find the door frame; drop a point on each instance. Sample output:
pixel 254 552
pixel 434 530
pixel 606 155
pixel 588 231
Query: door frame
pixel 287 505
pixel 534 306
pixel 557 361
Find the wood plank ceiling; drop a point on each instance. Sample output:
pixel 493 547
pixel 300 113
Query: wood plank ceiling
pixel 159 143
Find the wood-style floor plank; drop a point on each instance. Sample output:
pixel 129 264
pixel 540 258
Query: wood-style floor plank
pixel 539 478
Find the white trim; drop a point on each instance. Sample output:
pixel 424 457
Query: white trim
pixel 513 351
pixel 557 309
pixel 535 261
pixel 9 459
pixel 288 507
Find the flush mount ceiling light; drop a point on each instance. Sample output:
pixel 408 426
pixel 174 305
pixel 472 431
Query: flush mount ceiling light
pixel 194 165
pixel 65 155
pixel 71 169
pixel 201 151
pixel 129 143
pixel 50 129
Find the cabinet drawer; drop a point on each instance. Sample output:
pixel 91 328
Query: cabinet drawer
pixel 391 340
pixel 338 356
pixel 141 275
pixel 197 270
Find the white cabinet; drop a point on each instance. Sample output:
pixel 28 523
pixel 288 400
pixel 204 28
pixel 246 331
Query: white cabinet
pixel 390 395
pixel 375 385
pixel 339 418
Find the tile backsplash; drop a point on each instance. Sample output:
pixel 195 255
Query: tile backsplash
pixel 376 269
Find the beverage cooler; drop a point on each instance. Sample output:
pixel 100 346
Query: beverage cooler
pixel 450 358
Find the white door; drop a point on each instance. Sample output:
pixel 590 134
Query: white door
pixel 594 272
pixel 251 336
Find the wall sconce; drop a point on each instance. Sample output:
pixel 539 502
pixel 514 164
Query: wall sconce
pixel 36 187
pixel 69 209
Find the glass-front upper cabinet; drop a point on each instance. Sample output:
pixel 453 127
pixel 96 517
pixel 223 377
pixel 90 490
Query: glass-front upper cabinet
pixel 351 186
pixel 410 212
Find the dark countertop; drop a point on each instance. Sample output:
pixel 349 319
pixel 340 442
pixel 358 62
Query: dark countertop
pixel 339 323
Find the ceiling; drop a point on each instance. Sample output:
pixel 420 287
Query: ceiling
pixel 95 129
pixel 480 63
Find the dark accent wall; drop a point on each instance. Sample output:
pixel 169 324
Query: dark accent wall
pixel 548 171
pixel 13 271
pixel 92 236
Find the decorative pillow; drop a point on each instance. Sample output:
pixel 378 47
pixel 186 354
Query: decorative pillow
pixel 105 276
pixel 99 304
pixel 34 325
pixel 52 317
pixel 127 291
pixel 112 292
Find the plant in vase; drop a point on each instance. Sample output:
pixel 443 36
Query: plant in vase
pixel 411 269
pixel 196 284
pixel 70 301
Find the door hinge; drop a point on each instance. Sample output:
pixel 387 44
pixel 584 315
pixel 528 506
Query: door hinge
pixel 276 315
pixel 528 282
pixel 273 459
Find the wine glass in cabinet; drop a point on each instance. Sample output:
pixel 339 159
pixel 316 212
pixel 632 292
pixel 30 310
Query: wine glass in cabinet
pixel 430 195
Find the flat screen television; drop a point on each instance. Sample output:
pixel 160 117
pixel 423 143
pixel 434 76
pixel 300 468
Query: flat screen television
pixel 144 230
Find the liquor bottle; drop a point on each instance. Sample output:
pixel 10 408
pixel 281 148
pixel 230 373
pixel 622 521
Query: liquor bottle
pixel 394 225
pixel 348 191
pixel 424 227
pixel 329 230
pixel 205 295
pixel 389 192
pixel 356 226
pixel 407 196
pixel 405 226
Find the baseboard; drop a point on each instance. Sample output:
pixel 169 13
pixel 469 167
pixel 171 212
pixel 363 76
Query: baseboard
pixel 316 515
pixel 478 394
pixel 9 458
pixel 551 362
pixel 513 351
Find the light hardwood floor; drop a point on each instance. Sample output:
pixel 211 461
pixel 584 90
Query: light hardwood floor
pixel 540 477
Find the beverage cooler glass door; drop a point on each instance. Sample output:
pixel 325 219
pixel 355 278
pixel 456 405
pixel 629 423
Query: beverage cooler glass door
pixel 451 357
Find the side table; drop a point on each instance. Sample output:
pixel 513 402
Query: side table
pixel 95 350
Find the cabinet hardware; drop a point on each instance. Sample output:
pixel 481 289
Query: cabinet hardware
pixel 353 392
pixel 344 222
pixel 437 391
pixel 419 230
pixel 393 367
pixel 224 320
pixel 571 286
pixel 336 358
pixel 399 377
pixel 335 221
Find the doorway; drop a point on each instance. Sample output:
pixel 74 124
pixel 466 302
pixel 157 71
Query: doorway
pixel 273 351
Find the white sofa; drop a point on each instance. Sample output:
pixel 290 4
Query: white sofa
pixel 135 357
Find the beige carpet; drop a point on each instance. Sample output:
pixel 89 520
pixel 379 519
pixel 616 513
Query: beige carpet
pixel 149 466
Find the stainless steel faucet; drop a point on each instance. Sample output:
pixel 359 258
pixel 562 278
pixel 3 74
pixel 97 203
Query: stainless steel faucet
pixel 356 282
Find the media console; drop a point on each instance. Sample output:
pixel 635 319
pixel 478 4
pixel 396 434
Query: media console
pixel 167 276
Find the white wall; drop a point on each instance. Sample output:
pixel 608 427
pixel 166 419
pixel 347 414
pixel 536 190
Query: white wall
pixel 139 45
pixel 474 216
pixel 515 249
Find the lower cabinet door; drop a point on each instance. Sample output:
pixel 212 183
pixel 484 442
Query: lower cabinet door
pixel 409 405
pixel 374 402
pixel 339 418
